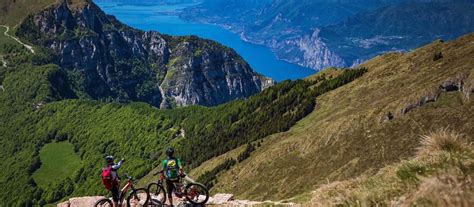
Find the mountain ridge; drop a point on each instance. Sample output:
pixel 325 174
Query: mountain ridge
pixel 108 60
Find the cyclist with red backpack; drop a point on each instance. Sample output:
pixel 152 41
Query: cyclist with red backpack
pixel 173 172
pixel 110 178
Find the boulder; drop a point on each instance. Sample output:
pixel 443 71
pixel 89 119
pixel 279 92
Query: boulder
pixel 80 202
pixel 220 199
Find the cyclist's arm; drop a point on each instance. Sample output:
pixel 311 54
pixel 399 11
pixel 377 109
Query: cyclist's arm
pixel 118 165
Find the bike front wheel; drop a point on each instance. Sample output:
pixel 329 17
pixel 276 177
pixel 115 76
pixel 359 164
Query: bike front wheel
pixel 103 203
pixel 196 193
pixel 138 198
pixel 157 193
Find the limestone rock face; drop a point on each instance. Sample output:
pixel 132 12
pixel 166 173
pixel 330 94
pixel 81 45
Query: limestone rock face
pixel 105 59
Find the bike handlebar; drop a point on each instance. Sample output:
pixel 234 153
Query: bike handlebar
pixel 128 176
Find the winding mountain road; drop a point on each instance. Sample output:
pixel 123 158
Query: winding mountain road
pixel 29 47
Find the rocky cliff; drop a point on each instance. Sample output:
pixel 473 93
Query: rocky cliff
pixel 105 59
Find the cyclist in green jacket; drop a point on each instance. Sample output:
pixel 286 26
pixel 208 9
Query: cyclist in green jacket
pixel 173 172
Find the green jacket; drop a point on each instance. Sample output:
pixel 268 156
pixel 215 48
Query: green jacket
pixel 172 167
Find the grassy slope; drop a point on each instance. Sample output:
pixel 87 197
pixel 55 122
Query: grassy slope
pixel 344 136
pixel 58 161
pixel 439 175
pixel 13 12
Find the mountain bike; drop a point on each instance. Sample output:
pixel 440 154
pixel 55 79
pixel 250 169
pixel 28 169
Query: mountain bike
pixel 135 196
pixel 193 192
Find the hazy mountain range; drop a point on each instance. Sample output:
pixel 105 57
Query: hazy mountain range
pixel 323 33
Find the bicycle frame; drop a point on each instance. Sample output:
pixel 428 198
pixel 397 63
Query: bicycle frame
pixel 127 187
pixel 177 192
pixel 187 191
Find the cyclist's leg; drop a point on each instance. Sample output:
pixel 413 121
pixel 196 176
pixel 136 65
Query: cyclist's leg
pixel 115 195
pixel 169 190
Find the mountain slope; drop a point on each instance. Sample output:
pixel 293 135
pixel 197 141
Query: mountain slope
pixel 361 127
pixel 106 59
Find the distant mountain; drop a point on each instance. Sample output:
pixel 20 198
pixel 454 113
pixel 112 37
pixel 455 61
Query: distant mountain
pixel 108 60
pixel 399 27
pixel 318 34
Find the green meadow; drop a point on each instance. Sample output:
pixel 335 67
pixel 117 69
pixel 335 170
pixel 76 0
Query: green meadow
pixel 58 161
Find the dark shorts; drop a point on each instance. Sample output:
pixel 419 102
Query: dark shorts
pixel 170 186
pixel 115 193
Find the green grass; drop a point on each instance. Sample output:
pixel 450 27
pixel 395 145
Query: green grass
pixel 58 162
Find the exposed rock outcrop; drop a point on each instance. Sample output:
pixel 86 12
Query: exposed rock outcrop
pixel 106 59
pixel 79 202
pixel 460 83
pixel 309 51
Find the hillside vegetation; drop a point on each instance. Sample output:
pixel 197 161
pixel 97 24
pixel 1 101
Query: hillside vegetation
pixel 363 126
pixel 439 175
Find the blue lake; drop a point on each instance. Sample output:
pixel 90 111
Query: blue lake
pixel 160 18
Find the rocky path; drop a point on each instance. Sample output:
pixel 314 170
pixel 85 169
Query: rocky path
pixel 216 200
pixel 29 47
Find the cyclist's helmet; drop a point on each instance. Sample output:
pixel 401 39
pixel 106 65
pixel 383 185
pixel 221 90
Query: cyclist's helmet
pixel 109 159
pixel 170 152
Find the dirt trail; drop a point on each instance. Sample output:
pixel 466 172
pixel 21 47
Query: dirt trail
pixel 29 47
pixel 216 200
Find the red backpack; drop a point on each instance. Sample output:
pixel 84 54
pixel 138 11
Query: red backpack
pixel 107 178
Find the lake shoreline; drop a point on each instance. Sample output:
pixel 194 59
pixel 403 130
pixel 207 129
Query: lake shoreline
pixel 166 20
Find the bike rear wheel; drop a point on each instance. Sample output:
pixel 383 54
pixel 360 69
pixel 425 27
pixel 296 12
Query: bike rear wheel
pixel 157 193
pixel 196 193
pixel 105 202
pixel 138 198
